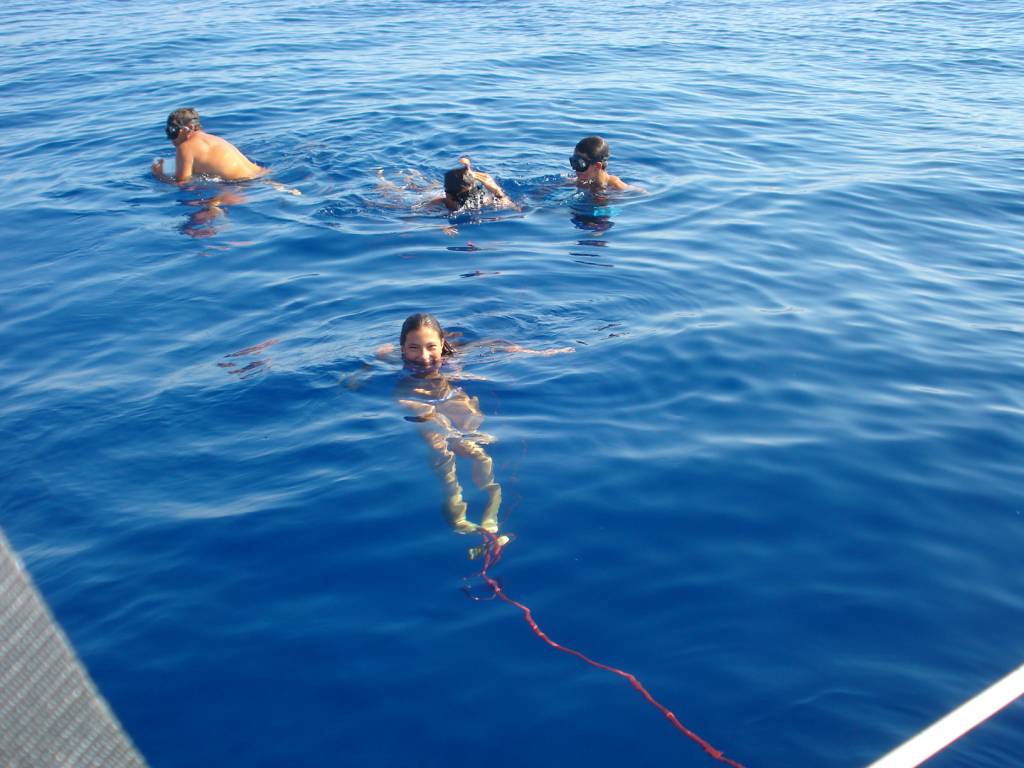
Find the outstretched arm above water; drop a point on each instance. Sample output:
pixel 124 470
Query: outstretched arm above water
pixel 516 348
pixel 500 345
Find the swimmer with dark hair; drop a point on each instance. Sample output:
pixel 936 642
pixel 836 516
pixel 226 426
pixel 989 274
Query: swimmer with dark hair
pixel 464 190
pixel 590 162
pixel 449 421
pixel 448 418
pixel 198 153
pixel 202 154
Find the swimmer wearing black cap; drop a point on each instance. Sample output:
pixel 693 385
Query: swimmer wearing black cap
pixel 466 188
pixel 590 162
pixel 469 190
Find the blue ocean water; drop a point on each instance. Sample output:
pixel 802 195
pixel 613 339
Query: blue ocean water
pixel 779 480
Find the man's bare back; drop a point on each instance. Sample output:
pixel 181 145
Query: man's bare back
pixel 203 154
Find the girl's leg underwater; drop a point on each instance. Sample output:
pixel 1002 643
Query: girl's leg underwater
pixel 483 477
pixel 443 463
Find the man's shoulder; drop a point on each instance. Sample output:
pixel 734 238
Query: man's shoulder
pixel 210 140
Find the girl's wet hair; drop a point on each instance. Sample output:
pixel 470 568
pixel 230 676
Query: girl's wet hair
pixel 425 320
pixel 595 148
pixel 459 181
pixel 186 117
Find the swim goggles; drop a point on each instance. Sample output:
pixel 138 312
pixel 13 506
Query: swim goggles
pixel 172 130
pixel 580 163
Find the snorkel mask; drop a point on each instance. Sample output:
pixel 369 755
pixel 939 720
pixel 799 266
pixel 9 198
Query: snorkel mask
pixel 580 163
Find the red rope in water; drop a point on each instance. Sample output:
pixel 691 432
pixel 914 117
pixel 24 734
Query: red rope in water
pixel 492 554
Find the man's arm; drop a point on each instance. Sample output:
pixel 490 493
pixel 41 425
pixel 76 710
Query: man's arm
pixel 183 160
pixel 182 168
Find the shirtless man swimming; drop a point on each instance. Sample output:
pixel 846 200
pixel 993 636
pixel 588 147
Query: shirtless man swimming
pixel 202 154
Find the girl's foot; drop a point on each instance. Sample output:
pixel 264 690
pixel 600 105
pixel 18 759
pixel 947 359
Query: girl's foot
pixel 475 552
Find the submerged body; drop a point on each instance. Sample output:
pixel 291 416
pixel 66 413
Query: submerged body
pixel 449 405
pixel 448 420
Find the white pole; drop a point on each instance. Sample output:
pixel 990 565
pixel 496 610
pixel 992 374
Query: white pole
pixel 956 723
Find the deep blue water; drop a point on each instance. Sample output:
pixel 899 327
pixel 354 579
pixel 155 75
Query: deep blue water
pixel 779 480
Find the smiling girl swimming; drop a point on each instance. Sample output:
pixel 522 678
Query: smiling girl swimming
pixel 448 418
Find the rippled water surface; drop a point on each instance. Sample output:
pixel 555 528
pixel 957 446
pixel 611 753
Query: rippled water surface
pixel 779 480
